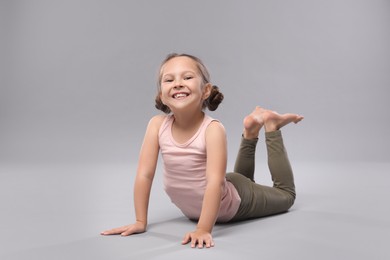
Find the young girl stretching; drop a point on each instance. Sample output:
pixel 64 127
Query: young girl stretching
pixel 194 152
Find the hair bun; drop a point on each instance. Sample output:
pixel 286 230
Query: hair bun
pixel 160 105
pixel 214 99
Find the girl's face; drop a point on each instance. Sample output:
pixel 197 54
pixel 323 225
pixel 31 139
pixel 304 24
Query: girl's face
pixel 182 86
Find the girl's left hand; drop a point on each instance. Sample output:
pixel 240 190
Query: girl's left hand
pixel 200 238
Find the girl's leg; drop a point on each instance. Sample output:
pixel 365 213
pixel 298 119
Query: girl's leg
pixel 245 161
pixel 259 200
pixel 278 163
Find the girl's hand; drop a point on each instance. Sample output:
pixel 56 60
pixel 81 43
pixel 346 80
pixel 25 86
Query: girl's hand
pixel 137 227
pixel 199 237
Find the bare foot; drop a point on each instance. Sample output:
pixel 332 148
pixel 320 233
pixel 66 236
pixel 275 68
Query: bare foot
pixel 253 123
pixel 274 121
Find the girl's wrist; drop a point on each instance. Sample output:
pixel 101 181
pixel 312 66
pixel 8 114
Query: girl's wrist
pixel 141 222
pixel 204 229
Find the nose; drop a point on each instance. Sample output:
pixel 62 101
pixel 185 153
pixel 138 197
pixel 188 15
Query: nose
pixel 178 84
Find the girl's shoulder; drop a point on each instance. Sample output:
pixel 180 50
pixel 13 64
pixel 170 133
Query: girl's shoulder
pixel 213 123
pixel 156 121
pixel 215 126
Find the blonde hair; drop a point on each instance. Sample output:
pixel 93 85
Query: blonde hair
pixel 212 102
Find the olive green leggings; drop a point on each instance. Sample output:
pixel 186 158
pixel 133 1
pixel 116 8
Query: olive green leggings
pixel 258 200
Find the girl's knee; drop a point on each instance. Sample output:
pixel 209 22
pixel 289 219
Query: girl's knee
pixel 287 199
pixel 289 195
pixel 290 198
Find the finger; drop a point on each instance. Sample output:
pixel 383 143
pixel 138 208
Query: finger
pixel 200 243
pixel 186 239
pixel 209 243
pixel 127 232
pixel 113 231
pixel 193 242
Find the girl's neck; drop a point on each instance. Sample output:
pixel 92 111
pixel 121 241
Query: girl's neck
pixel 188 121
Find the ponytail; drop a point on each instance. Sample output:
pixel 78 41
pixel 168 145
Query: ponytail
pixel 215 98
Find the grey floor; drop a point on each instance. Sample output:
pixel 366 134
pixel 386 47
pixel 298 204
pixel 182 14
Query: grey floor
pixel 57 211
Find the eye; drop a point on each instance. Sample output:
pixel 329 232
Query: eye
pixel 188 77
pixel 167 80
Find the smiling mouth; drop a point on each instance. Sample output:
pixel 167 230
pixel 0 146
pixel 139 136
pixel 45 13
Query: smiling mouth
pixel 180 95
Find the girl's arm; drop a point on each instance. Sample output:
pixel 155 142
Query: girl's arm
pixel 143 182
pixel 215 173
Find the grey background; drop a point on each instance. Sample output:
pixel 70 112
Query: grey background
pixel 77 87
pixel 79 77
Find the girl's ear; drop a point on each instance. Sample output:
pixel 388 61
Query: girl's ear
pixel 207 90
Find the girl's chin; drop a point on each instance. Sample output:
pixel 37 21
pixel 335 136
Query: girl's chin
pixel 180 107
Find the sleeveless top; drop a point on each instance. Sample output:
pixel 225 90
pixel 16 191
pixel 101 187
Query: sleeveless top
pixel 184 166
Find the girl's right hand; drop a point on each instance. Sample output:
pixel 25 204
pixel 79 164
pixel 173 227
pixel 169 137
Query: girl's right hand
pixel 137 227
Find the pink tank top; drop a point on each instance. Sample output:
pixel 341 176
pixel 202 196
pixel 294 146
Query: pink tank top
pixel 184 168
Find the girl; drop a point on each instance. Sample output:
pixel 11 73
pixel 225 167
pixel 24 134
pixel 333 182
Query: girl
pixel 194 151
